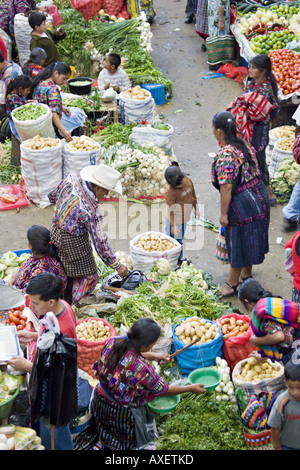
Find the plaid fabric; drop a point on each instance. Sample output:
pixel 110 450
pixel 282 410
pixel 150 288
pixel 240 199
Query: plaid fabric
pixel 248 109
pixel 75 253
pixel 220 49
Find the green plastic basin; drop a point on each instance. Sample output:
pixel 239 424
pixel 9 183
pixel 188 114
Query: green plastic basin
pixel 208 376
pixel 164 404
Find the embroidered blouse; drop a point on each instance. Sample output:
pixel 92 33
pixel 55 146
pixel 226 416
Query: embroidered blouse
pixel 225 167
pixel 33 266
pixel 48 93
pixel 78 212
pixel 133 382
pixel 13 101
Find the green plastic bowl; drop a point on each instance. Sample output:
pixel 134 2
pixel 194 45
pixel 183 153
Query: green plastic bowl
pixel 5 408
pixel 208 376
pixel 164 404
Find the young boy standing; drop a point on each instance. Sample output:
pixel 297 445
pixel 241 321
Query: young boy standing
pixel 112 75
pixel 284 418
pixel 44 39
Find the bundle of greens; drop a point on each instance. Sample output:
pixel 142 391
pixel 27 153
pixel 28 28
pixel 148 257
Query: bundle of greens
pixel 201 424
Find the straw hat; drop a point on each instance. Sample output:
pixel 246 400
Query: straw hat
pixel 104 176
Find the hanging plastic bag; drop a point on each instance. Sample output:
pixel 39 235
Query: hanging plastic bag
pixel 53 380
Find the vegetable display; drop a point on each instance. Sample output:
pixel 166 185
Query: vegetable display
pixel 286 68
pixel 10 263
pixel 152 242
pixel 15 317
pixel 92 330
pixel 283 131
pixel 285 179
pixel 136 93
pixel 197 329
pixel 29 112
pixel 8 385
pixel 253 371
pixel 225 389
pixel 142 169
pixel 82 144
pixel 232 327
pixel 39 143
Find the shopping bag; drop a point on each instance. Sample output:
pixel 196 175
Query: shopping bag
pixel 53 380
pixel 220 48
pixel 221 249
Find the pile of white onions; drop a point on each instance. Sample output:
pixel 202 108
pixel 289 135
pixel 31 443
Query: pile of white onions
pixel 225 389
pixel 145 32
pixel 142 170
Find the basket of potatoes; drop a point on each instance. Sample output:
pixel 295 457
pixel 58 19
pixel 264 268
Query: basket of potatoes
pixel 92 334
pixel 207 348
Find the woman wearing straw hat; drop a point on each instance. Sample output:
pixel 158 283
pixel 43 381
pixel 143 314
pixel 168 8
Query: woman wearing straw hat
pixel 78 219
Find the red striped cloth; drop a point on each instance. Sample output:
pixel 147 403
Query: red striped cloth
pixel 248 109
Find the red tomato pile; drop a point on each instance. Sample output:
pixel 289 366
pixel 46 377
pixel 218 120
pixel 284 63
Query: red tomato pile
pixel 286 69
pixel 17 318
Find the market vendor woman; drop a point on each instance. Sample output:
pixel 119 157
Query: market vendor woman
pixel 46 90
pixel 127 382
pixel 78 219
pixel 275 321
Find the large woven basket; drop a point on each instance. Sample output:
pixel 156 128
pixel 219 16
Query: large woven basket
pixel 258 440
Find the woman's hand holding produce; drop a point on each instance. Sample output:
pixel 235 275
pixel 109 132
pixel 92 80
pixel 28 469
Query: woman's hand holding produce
pixel 67 135
pixel 198 389
pixel 122 270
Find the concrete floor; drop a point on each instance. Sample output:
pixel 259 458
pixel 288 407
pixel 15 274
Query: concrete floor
pixel 177 52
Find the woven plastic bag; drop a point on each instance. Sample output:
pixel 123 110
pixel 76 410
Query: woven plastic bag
pixel 41 171
pixel 132 111
pixel 73 162
pixel 221 249
pixel 42 126
pixel 145 260
pixel 112 7
pixel 198 355
pixel 89 351
pixel 88 8
pixel 254 388
pixel 237 348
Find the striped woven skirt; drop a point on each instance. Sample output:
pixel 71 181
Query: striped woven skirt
pixel 201 26
pixel 246 236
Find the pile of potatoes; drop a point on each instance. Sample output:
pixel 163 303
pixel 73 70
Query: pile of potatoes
pixel 92 330
pixel 286 144
pixel 39 143
pixel 82 144
pixel 136 93
pixel 254 371
pixel 153 242
pixel 195 328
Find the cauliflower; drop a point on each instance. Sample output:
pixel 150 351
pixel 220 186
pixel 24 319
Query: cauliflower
pixel 285 164
pixel 291 177
pixel 279 174
pixel 163 266
pixel 295 167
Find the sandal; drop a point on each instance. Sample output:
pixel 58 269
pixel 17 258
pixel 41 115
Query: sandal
pixel 243 279
pixel 234 288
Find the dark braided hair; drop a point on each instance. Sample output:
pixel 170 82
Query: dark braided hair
pixel 263 63
pixel 225 121
pixel 143 332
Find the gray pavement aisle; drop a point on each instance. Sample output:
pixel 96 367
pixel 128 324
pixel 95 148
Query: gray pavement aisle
pixel 177 52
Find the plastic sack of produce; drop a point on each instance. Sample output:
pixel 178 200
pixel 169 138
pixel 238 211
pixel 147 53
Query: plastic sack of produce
pixel 112 7
pixel 236 346
pixel 41 170
pixel 92 334
pixel 279 154
pixel 30 125
pixel 202 354
pixel 22 32
pixel 253 377
pixel 134 109
pixel 136 7
pixel 88 8
pixel 158 134
pixel 144 260
pixel 80 152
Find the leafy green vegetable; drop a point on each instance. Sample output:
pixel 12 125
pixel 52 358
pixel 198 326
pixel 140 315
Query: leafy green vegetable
pixel 201 424
pixel 10 174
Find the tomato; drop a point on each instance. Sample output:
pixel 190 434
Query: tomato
pixel 13 319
